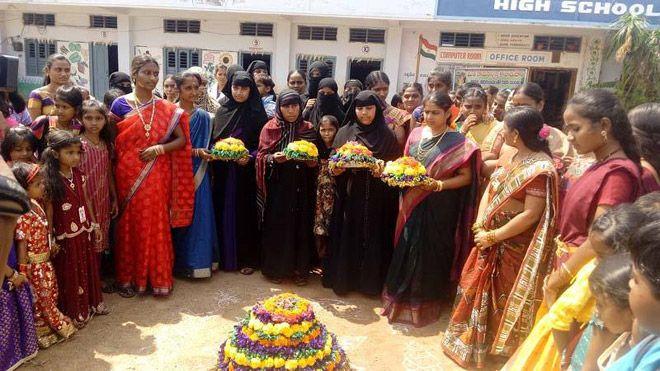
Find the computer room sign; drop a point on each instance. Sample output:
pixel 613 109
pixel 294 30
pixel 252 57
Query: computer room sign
pixel 588 13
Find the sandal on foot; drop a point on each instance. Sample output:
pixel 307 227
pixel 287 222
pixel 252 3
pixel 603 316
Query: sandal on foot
pixel 126 292
pixel 247 271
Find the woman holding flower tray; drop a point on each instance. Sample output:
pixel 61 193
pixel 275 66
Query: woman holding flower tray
pixel 286 184
pixel 432 232
pixel 364 211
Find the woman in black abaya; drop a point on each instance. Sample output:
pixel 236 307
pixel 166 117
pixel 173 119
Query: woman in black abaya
pixel 365 209
pixel 241 115
pixel 287 188
pixel 327 103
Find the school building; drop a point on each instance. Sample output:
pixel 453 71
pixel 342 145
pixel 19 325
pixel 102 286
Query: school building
pixel 558 44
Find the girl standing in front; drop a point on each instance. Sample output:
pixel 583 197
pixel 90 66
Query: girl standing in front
pixel 96 164
pixel 325 184
pixel 34 250
pixel 75 229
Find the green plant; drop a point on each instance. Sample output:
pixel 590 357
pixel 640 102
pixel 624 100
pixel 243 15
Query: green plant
pixel 636 47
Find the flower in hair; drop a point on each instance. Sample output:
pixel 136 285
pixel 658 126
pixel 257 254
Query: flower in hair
pixel 544 133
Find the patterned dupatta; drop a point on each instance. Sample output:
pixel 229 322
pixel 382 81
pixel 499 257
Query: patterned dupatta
pixel 455 151
pixel 131 136
pixel 520 308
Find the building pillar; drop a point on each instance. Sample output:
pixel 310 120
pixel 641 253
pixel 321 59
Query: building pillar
pixel 281 53
pixel 124 44
pixel 393 55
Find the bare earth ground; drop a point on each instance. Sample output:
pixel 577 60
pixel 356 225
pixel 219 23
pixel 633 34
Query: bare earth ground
pixel 184 331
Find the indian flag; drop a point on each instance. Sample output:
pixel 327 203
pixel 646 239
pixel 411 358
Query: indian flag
pixel 426 49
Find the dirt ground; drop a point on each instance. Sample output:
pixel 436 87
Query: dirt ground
pixel 184 331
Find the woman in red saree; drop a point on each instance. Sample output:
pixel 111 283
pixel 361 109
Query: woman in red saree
pixel 501 281
pixel 155 184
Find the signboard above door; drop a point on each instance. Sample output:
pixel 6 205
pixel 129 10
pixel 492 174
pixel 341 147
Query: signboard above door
pixel 596 13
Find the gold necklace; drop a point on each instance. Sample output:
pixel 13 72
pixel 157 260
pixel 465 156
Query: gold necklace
pixel 421 152
pixel 70 180
pixel 147 127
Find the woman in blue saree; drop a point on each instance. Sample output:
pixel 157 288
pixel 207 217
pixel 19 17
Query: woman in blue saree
pixel 196 246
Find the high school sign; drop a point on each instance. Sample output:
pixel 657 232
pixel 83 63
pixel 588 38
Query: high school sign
pixel 587 13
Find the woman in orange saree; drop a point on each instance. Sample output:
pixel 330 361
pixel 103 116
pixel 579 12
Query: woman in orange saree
pixel 501 282
pixel 155 184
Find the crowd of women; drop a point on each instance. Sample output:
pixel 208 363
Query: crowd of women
pixel 532 231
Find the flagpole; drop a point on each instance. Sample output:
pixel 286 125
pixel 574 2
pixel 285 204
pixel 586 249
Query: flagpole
pixel 419 48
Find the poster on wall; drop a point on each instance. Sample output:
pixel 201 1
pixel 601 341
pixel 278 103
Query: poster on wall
pixel 211 58
pixel 503 78
pixel 78 54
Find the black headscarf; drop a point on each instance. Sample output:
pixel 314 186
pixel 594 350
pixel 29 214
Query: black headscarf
pixel 257 64
pixel 377 136
pixel 116 80
pixel 326 104
pixel 348 96
pixel 249 115
pixel 313 82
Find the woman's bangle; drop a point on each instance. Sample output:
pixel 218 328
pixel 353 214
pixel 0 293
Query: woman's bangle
pixel 491 238
pixel 438 186
pixel 160 149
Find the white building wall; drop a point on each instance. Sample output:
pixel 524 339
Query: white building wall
pixel 220 31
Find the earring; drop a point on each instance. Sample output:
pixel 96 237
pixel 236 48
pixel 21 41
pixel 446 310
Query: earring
pixel 515 139
pixel 604 134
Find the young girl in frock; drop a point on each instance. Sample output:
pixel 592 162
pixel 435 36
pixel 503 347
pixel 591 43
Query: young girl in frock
pixel 96 164
pixel 75 229
pixel 33 246
pixel 325 184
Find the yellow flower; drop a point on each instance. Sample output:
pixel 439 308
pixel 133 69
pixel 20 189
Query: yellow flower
pixel 255 362
pixel 279 362
pixel 291 364
pixel 241 359
pixel 269 362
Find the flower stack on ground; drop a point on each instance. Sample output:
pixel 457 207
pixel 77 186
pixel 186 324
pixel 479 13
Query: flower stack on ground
pixel 404 172
pixel 301 150
pixel 353 155
pixel 229 149
pixel 282 333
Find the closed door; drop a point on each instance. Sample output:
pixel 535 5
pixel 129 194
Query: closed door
pixel 104 61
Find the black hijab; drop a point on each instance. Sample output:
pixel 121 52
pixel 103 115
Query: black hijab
pixel 326 104
pixel 249 115
pixel 313 82
pixel 377 136
pixel 116 80
pixel 257 64
pixel 348 95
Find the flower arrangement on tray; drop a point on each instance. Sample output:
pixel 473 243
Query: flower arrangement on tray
pixel 353 155
pixel 282 333
pixel 404 172
pixel 301 150
pixel 229 149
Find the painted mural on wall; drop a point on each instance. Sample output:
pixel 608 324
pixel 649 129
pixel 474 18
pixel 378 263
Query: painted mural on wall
pixel 592 63
pixel 211 58
pixel 78 54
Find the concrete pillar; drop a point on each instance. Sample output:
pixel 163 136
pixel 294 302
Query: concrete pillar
pixel 124 44
pixel 393 55
pixel 281 53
